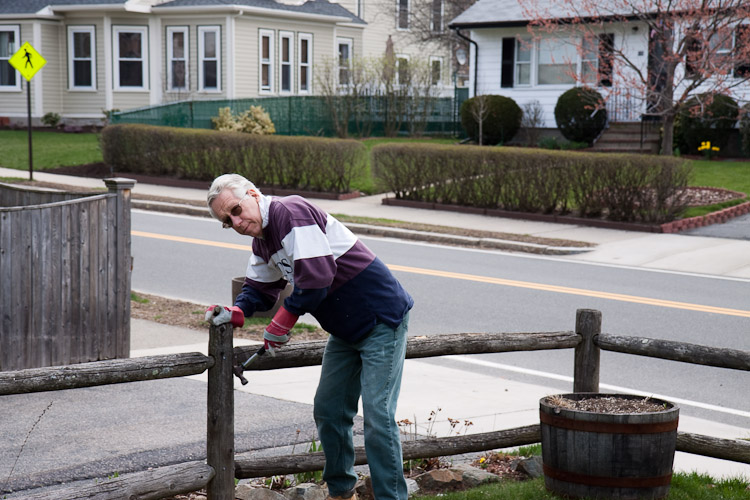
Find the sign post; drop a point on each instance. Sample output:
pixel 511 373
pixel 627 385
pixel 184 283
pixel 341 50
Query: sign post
pixel 28 61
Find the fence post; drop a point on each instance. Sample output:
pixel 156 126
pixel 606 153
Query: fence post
pixel 586 368
pixel 122 261
pixel 220 413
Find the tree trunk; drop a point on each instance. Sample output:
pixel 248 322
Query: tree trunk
pixel 667 139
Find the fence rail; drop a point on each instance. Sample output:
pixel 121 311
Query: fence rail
pixel 223 466
pixel 64 275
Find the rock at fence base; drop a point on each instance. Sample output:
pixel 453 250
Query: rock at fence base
pixel 306 491
pixel 412 487
pixel 246 492
pixel 473 477
pixel 531 466
pixel 364 489
pixel 439 480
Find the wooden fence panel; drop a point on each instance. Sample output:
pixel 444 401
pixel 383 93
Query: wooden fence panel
pixel 65 276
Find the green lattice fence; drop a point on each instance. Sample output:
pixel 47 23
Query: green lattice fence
pixel 299 115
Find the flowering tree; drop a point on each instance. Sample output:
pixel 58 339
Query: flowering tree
pixel 694 48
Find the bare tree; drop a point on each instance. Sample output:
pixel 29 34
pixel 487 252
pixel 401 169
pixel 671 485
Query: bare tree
pixel 532 120
pixel 480 109
pixel 695 48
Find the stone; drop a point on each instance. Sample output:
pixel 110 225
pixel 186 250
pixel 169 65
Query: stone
pixel 364 489
pixel 412 487
pixel 531 466
pixel 306 491
pixel 473 476
pixel 247 492
pixel 440 480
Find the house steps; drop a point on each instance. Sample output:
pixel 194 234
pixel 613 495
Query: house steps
pixel 626 138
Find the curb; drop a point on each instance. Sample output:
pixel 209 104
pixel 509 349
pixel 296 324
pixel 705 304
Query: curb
pixel 392 232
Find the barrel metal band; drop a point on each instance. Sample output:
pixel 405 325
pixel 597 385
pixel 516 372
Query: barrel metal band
pixel 607 482
pixel 607 427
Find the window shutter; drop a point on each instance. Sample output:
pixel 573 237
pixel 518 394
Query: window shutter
pixel 506 69
pixel 741 39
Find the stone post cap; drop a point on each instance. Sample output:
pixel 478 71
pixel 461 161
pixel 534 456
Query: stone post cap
pixel 119 183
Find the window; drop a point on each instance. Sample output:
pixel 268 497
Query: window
pixel 305 63
pixel 9 43
pixel 345 60
pixel 266 60
pixel 286 51
pixel 523 61
pixel 606 59
pixel 741 55
pixel 177 58
pixel 131 68
pixel 436 70
pixel 209 58
pixel 402 70
pixel 81 58
pixel 556 62
pixel 437 16
pixel 402 15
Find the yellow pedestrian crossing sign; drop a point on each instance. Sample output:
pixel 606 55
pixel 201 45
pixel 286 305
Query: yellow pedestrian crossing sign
pixel 27 61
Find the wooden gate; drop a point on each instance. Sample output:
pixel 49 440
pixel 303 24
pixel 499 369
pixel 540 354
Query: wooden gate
pixel 64 275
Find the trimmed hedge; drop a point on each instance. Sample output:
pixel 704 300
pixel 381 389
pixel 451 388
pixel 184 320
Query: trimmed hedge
pixel 619 187
pixel 303 163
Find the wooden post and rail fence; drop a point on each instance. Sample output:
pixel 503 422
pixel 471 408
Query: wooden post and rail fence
pixel 223 466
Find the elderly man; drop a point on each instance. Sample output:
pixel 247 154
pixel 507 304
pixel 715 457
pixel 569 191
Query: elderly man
pixel 355 298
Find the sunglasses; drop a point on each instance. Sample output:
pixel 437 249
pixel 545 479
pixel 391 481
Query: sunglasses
pixel 236 212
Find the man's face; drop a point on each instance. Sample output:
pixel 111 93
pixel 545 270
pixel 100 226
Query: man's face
pixel 241 214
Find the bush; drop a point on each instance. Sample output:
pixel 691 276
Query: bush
pixel 576 116
pixel 301 163
pixel 254 120
pixel 619 186
pixel 51 119
pixel 501 119
pixel 745 129
pixel 705 118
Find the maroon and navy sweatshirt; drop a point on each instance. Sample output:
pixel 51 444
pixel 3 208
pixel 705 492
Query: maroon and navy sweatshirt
pixel 335 276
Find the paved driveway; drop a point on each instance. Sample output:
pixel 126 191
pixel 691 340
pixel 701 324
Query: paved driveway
pixel 737 228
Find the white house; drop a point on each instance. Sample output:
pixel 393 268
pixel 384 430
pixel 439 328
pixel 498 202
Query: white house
pixel 124 54
pixel 508 58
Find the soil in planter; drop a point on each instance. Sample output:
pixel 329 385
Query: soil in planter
pixel 608 404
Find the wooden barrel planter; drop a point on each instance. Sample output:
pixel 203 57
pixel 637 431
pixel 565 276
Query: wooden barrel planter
pixel 607 455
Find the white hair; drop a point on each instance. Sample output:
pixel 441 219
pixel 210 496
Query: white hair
pixel 238 184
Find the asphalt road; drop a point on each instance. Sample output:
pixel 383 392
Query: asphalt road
pixel 194 259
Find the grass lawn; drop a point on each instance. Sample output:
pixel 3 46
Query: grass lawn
pixel 50 149
pixel 734 175
pixel 684 487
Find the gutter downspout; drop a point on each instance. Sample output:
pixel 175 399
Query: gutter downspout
pixel 476 55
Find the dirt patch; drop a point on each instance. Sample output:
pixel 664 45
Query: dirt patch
pixel 607 404
pixel 191 315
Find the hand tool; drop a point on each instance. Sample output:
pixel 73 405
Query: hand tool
pixel 238 369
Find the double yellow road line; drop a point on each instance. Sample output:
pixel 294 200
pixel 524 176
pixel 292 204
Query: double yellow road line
pixel 496 281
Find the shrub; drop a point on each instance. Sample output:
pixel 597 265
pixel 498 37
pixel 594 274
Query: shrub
pixel 51 119
pixel 579 116
pixel 618 186
pixel 254 120
pixel 745 129
pixel 705 117
pixel 302 163
pixel 500 121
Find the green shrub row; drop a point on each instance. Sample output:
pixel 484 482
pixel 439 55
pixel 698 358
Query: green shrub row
pixel 302 163
pixel 616 186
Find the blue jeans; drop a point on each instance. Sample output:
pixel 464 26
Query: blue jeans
pixel 371 368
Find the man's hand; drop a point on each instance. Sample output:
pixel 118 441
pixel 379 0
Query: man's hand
pixel 277 333
pixel 232 315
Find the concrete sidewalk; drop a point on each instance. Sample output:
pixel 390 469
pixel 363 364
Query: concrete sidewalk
pixel 715 255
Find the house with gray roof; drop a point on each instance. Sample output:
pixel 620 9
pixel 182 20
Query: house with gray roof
pixel 535 50
pixel 123 54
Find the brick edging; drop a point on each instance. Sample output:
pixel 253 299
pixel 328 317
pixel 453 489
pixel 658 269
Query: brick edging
pixel 668 227
pixel 706 220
